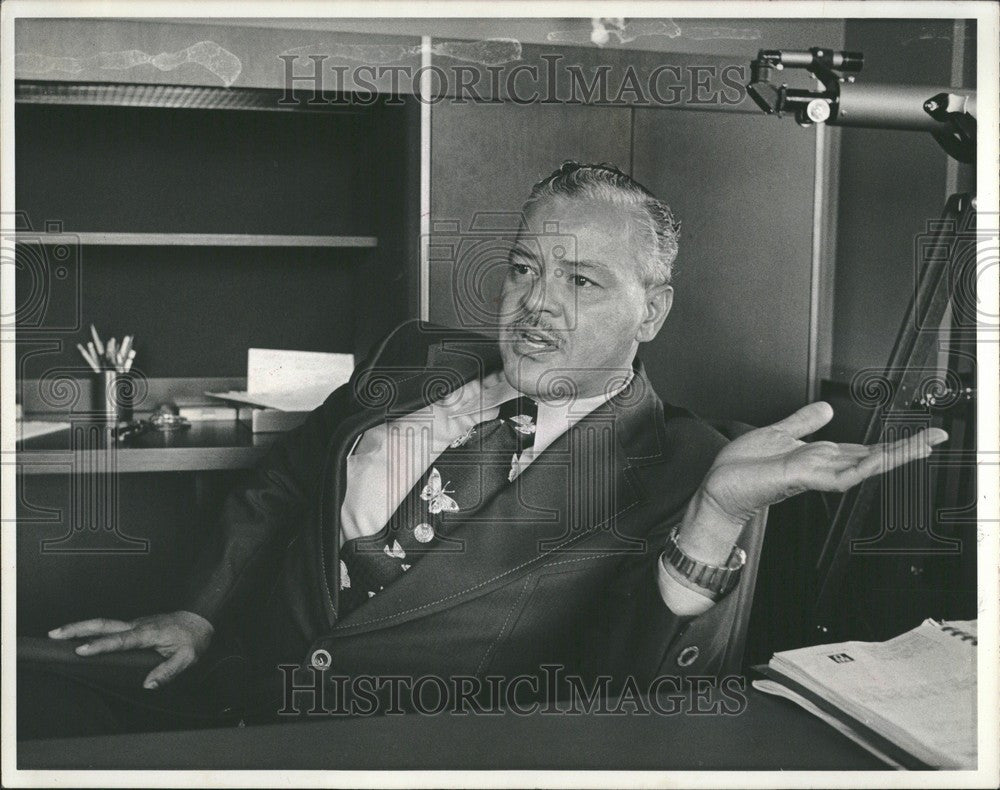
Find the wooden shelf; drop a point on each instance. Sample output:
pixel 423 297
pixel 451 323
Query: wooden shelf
pixel 221 445
pixel 198 239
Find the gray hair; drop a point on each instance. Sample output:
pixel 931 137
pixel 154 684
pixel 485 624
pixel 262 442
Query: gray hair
pixel 605 182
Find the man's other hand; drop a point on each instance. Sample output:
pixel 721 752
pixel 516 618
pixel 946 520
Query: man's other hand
pixel 770 464
pixel 180 637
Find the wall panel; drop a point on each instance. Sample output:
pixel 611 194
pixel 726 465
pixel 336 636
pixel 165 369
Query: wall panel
pixel 736 342
pixel 485 157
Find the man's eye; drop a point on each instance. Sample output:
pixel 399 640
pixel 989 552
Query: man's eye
pixel 520 268
pixel 582 282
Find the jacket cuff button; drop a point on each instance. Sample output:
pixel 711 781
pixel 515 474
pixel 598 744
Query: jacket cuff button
pixel 321 659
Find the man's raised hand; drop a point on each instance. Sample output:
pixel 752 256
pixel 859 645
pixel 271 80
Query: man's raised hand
pixel 770 464
pixel 180 637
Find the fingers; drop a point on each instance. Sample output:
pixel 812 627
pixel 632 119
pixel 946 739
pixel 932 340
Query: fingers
pixel 807 420
pixel 169 669
pixel 114 635
pixel 126 640
pixel 95 627
pixel 934 436
pixel 889 456
pixel 853 451
pixel 885 457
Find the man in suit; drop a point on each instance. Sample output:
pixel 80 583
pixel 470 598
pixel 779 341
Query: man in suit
pixel 468 507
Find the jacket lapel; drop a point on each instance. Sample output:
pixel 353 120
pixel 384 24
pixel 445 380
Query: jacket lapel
pixel 582 484
pixel 383 392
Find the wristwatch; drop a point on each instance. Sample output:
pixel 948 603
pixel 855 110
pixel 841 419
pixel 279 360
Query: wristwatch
pixel 718 579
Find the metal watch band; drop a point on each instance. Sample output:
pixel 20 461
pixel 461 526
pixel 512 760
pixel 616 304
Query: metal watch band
pixel 719 579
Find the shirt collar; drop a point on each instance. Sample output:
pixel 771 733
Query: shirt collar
pixel 557 417
pixel 554 417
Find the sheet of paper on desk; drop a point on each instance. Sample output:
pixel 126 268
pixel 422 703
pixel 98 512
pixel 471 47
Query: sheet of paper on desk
pixel 290 380
pixel 29 429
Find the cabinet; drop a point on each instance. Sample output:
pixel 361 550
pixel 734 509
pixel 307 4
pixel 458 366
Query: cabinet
pixel 202 231
pixel 228 221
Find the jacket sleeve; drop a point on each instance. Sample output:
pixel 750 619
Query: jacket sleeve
pixel 260 518
pixel 655 641
pixel 636 628
pixel 713 642
pixel 264 514
pixel 662 641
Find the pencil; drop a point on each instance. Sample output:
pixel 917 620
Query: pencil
pixel 93 353
pixel 97 340
pixel 90 360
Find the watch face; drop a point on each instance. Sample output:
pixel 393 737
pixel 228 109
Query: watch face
pixel 737 559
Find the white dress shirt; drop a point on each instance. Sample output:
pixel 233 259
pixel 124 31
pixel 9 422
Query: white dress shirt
pixel 388 460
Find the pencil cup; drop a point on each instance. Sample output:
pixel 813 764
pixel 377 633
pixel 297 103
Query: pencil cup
pixel 113 398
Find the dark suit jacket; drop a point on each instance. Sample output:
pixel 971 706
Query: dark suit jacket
pixel 559 568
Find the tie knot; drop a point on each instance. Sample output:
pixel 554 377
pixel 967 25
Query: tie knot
pixel 521 414
pixel 521 406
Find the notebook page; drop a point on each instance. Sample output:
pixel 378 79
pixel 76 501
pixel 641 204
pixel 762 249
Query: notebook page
pixel 918 689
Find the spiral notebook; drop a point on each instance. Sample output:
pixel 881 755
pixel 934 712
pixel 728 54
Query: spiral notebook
pixel 911 700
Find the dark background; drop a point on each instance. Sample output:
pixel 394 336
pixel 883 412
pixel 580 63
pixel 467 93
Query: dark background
pixel 194 310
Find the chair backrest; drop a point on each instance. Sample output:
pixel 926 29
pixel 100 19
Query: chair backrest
pixel 752 542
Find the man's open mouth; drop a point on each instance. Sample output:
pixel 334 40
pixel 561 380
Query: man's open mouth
pixel 532 340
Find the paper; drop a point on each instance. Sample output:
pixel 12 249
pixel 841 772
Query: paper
pixel 918 690
pixel 273 370
pixel 29 429
pixel 290 380
pixel 303 400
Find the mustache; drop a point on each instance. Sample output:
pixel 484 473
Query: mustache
pixel 536 323
pixel 531 321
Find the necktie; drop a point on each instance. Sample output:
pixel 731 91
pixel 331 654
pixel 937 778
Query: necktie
pixel 473 469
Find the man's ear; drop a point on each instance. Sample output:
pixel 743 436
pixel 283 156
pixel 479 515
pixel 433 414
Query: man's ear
pixel 659 300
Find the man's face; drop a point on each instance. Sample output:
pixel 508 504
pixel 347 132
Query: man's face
pixel 573 302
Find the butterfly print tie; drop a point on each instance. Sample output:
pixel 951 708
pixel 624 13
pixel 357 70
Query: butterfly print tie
pixel 436 495
pixel 475 467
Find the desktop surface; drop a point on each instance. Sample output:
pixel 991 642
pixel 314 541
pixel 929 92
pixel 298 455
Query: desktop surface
pixel 769 734
pixel 205 445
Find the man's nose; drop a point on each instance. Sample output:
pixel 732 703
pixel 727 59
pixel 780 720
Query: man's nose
pixel 544 297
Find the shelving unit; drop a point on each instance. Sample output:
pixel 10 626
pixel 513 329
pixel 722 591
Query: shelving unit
pixel 202 240
pixel 261 223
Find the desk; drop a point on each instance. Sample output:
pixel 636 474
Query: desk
pixel 205 446
pixel 770 734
